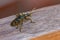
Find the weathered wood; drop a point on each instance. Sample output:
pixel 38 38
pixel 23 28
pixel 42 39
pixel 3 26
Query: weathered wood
pixel 47 20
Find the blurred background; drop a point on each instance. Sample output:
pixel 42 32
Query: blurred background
pixel 11 7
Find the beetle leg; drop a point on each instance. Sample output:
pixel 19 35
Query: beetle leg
pixel 21 23
pixel 31 20
pixel 17 27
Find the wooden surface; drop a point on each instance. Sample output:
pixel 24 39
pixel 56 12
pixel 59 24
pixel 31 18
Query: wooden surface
pixel 49 36
pixel 29 4
pixel 5 2
pixel 46 20
pixel 8 8
pixel 11 8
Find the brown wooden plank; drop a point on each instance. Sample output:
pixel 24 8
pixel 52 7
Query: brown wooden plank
pixel 20 6
pixel 50 36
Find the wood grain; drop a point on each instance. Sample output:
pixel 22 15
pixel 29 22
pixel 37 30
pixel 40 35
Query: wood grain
pixel 14 7
pixel 49 36
pixel 46 20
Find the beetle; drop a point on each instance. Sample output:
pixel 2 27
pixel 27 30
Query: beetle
pixel 20 18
